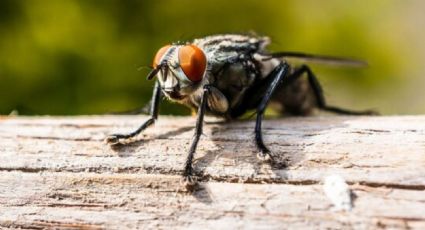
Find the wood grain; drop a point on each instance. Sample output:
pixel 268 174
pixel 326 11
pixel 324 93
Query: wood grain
pixel 57 172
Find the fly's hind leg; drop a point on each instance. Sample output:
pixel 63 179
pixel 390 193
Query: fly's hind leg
pixel 115 139
pixel 318 93
pixel 278 74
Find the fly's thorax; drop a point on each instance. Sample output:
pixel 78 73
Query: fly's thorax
pixel 181 70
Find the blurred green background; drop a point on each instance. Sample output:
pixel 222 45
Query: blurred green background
pixel 70 57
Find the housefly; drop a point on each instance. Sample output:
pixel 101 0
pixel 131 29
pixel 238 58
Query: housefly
pixel 227 75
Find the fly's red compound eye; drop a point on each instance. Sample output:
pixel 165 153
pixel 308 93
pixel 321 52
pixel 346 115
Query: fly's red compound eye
pixel 193 62
pixel 159 55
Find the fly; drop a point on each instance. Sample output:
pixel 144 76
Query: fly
pixel 227 75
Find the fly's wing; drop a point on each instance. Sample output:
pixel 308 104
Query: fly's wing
pixel 322 59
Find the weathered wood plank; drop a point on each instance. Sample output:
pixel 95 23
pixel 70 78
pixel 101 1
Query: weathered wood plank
pixel 57 171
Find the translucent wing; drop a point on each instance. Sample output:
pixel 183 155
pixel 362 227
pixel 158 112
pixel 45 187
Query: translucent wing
pixel 322 59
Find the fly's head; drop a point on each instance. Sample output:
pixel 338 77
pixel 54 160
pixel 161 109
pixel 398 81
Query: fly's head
pixel 180 70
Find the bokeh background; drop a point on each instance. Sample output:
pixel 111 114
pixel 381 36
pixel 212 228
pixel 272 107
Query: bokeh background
pixel 67 57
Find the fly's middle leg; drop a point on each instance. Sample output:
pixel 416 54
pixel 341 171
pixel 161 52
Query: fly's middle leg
pixel 278 74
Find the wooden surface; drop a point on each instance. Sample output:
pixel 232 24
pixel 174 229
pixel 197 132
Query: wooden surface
pixel 58 172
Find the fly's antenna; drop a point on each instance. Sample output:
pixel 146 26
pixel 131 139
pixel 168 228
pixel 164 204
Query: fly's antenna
pixel 153 72
pixel 164 70
pixel 161 67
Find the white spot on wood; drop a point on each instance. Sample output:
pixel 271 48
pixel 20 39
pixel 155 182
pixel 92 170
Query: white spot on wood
pixel 337 190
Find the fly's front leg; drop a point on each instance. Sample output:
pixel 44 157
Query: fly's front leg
pixel 278 76
pixel 318 92
pixel 188 169
pixel 154 109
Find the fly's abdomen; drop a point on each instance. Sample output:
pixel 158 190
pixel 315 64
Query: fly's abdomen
pixel 295 98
